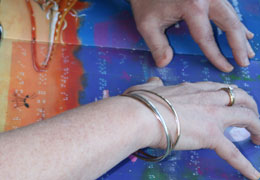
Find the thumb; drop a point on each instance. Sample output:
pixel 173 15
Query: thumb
pixel 157 41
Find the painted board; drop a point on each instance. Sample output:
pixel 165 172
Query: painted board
pixel 90 59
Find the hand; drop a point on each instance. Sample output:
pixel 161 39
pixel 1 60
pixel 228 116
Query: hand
pixel 153 17
pixel 204 116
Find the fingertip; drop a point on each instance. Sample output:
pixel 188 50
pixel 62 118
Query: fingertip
pixel 163 56
pixel 250 35
pixel 227 68
pixel 221 63
pixel 245 62
pixel 251 54
pixel 250 51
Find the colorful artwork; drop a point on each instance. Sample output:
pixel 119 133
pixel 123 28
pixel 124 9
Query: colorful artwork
pixel 65 53
pixel 56 12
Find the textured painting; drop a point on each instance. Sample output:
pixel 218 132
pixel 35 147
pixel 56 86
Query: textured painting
pixel 56 55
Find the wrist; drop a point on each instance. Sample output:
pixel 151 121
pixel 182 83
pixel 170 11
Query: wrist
pixel 148 128
pixel 151 131
pixel 169 118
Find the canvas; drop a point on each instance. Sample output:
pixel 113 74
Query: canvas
pixel 58 56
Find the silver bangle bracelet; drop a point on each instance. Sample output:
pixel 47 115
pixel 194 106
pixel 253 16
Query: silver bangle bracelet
pixel 141 154
pixel 178 127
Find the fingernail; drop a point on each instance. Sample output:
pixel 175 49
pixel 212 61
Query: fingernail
pixel 163 59
pixel 252 35
pixel 246 62
pixel 251 54
pixel 229 68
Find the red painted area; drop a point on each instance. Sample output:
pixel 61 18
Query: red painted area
pixel 126 76
pixel 69 35
pixel 81 5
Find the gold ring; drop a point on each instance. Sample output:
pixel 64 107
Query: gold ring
pixel 231 95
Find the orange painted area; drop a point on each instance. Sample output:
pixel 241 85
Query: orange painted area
pixel 35 96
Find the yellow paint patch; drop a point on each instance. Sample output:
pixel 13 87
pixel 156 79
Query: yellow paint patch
pixel 15 19
pixel 5 67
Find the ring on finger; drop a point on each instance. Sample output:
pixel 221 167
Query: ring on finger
pixel 231 95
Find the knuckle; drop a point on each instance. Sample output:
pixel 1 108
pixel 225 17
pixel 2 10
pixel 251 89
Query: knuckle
pixel 197 6
pixel 204 97
pixel 234 153
pixel 246 98
pixel 144 25
pixel 249 116
pixel 211 82
pixel 249 113
pixel 156 82
pixel 247 166
pixel 133 88
pixel 212 110
pixel 141 27
pixel 185 83
pixel 155 48
pixel 241 92
pixel 205 38
pixel 233 23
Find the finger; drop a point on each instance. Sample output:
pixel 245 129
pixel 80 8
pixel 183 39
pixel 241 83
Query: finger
pixel 238 117
pixel 202 33
pixel 187 88
pixel 155 81
pixel 237 42
pixel 229 152
pixel 212 86
pixel 219 98
pixel 156 40
pixel 242 99
pixel 250 50
pixel 249 34
pixel 192 88
pixel 228 21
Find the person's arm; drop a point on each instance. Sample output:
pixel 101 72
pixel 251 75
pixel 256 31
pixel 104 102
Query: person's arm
pixel 83 143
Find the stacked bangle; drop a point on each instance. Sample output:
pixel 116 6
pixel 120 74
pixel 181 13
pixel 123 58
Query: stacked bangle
pixel 141 154
pixel 178 127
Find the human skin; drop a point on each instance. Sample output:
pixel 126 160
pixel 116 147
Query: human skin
pixel 86 142
pixel 153 17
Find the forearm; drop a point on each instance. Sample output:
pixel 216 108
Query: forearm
pixel 80 144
